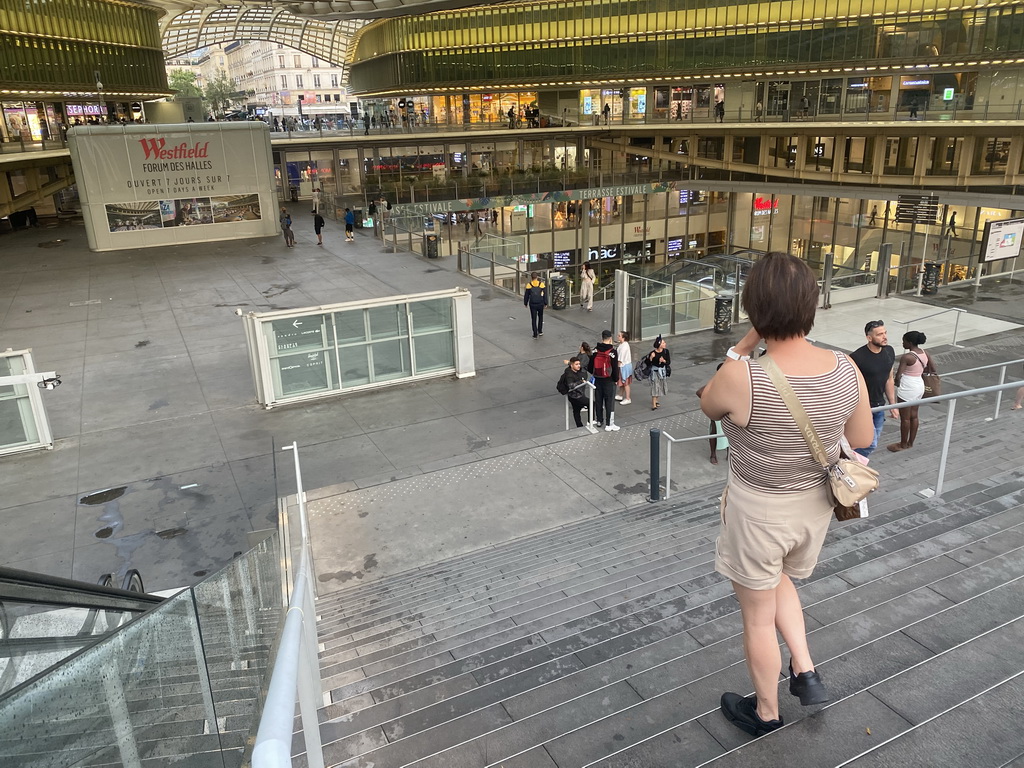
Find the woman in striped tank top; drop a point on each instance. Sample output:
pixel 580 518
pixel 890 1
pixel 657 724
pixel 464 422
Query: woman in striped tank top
pixel 775 508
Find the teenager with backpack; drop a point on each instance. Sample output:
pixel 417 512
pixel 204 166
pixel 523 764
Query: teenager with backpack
pixel 573 384
pixel 536 298
pixel 604 367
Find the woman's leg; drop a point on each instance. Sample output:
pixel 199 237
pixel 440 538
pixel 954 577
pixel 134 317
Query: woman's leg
pixel 761 646
pixel 911 425
pixel 625 388
pixel 904 428
pixel 789 620
pixel 714 444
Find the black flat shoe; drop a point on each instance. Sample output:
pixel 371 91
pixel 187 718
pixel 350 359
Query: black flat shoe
pixel 808 687
pixel 742 712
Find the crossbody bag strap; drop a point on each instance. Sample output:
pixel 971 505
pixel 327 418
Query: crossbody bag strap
pixel 785 390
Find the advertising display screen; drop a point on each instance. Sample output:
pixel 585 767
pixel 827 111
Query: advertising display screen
pixel 1002 240
pixel 150 185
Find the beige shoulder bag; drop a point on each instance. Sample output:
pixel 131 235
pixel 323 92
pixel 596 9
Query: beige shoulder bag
pixel 849 480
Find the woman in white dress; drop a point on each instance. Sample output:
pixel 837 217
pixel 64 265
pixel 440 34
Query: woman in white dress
pixel 910 386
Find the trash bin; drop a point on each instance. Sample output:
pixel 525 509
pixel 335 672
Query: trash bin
pixel 558 297
pixel 358 212
pixel 723 312
pixel 930 281
pixel 430 245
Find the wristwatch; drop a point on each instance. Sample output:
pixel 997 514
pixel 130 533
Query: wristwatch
pixel 732 354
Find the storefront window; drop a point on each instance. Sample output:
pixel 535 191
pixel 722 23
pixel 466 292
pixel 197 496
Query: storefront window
pixel 990 155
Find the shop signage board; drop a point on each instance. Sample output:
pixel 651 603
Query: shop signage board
pixel 1002 239
pixel 917 209
pixel 150 185
pixel 533 198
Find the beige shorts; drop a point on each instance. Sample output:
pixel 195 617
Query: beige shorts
pixel 764 535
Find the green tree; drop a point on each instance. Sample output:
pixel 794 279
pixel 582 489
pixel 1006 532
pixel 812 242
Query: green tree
pixel 221 92
pixel 184 82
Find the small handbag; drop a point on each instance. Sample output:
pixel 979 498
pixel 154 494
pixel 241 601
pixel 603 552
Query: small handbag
pixel 932 382
pixel 849 481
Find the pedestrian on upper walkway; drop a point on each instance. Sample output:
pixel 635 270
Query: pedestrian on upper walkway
pixel 587 278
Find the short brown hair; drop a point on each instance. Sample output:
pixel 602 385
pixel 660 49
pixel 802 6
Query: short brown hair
pixel 780 296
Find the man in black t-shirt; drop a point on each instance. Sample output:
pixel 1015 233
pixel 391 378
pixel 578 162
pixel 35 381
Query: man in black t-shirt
pixel 875 361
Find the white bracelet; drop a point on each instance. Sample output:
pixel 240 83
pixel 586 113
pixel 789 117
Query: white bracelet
pixel 732 354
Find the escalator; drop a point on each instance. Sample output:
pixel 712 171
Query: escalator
pixel 45 619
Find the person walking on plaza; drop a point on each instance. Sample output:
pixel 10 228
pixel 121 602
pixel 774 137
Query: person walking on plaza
pixel 316 199
pixel 286 227
pixel 604 367
pixel 875 360
pixel 777 505
pixel 536 298
pixel 511 117
pixel 607 112
pixel 318 227
pixel 720 110
pixel 660 363
pixel 573 384
pixel 350 222
pixel 625 354
pixel 951 226
pixel 587 278
pixel 873 215
pixel 910 386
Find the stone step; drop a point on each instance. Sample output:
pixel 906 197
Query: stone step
pixel 656 562
pixel 572 680
pixel 860 652
pixel 855 544
pixel 448 598
pixel 520 556
pixel 983 731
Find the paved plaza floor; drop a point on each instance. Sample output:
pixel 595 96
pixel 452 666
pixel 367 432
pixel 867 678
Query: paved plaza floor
pixel 158 402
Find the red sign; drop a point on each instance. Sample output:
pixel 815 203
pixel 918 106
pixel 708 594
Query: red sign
pixel 764 206
pixel 154 148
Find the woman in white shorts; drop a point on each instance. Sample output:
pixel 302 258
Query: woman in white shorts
pixel 910 386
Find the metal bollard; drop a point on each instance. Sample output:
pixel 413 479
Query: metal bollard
pixel 655 465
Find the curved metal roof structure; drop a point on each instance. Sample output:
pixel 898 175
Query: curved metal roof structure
pixel 185 30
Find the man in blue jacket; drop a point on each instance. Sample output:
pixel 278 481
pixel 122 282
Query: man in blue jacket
pixel 536 298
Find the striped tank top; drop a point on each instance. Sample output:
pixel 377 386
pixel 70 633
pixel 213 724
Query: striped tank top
pixel 769 453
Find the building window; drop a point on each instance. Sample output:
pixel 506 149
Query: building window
pixel 298 81
pixel 284 81
pixel 297 61
pixel 316 81
pixel 334 81
pixel 316 62
pixel 280 62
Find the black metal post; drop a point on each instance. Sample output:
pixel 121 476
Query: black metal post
pixel 655 465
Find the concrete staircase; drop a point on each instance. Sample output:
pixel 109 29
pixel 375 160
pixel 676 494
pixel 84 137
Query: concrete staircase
pixel 608 643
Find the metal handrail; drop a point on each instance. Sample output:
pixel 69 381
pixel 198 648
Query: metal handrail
pixel 951 398
pixel 984 367
pixel 956 325
pixel 589 426
pixel 296 666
